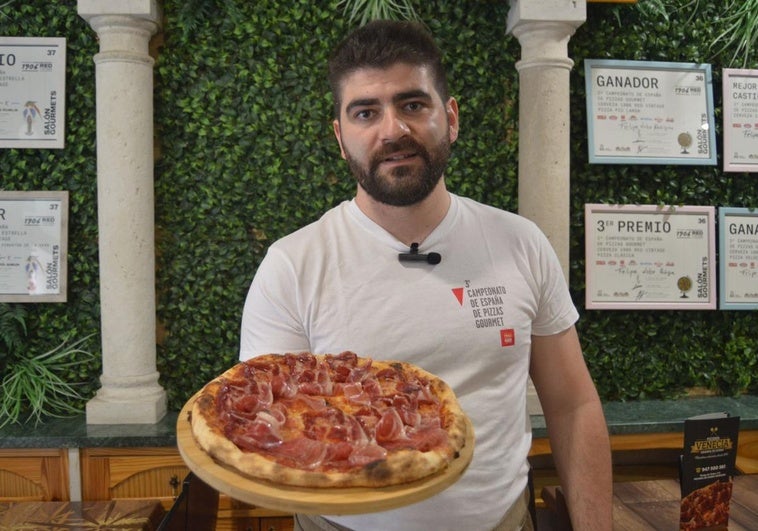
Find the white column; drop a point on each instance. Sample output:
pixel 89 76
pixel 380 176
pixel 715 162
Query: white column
pixel 130 392
pixel 543 28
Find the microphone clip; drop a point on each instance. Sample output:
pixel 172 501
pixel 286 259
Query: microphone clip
pixel 415 256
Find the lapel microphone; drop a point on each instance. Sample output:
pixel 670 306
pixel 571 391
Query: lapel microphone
pixel 415 256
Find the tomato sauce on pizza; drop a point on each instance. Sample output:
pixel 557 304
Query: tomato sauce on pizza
pixel 329 420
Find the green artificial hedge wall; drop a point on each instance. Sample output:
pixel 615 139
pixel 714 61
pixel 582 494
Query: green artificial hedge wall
pixel 72 169
pixel 246 155
pixel 643 354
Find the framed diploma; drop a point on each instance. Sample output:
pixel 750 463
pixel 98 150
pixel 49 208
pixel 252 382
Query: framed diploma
pixel 740 89
pixel 32 92
pixel 738 257
pixel 642 112
pixel 33 246
pixel 650 257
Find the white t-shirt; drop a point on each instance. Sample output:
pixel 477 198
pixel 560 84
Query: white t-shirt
pixel 337 284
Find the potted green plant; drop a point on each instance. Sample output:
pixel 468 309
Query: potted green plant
pixel 364 11
pixel 35 384
pixel 737 28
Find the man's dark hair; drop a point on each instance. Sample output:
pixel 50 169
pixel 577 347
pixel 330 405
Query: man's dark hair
pixel 382 44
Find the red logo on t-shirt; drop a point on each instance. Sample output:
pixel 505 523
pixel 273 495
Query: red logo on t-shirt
pixel 507 337
pixel 458 292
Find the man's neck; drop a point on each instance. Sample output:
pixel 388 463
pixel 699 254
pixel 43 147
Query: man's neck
pixel 410 224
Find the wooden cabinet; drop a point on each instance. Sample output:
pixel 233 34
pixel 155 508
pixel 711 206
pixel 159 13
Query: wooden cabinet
pixel 149 473
pixel 272 523
pixel 235 515
pixel 747 455
pixel 34 474
pixel 132 473
pixel 158 473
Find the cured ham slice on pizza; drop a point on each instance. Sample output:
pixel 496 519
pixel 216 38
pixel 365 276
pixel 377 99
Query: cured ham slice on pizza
pixel 329 421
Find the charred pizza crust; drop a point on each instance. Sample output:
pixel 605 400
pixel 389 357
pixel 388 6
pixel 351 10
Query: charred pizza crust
pixel 329 421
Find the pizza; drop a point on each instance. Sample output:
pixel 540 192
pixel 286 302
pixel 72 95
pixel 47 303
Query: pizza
pixel 329 420
pixel 706 507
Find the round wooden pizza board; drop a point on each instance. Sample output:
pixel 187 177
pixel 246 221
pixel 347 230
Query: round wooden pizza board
pixel 312 500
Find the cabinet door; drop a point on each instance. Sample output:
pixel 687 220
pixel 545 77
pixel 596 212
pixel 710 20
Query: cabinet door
pixel 235 515
pixel 158 473
pixel 132 473
pixel 270 523
pixel 282 523
pixel 34 474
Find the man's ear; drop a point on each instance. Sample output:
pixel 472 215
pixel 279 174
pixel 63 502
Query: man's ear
pixel 452 118
pixel 338 134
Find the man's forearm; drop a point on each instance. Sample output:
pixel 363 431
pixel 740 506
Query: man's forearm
pixel 583 459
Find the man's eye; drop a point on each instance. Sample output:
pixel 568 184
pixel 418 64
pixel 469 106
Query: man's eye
pixel 365 114
pixel 414 106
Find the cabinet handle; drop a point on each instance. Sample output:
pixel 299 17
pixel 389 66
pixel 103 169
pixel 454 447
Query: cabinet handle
pixel 174 483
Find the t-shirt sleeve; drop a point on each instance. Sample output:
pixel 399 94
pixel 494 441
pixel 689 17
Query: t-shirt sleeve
pixel 270 318
pixel 556 311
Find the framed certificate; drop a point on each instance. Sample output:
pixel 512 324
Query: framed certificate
pixel 650 257
pixel 740 89
pixel 642 112
pixel 33 246
pixel 32 92
pixel 738 257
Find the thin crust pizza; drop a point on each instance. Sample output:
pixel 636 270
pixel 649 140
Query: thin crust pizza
pixel 706 507
pixel 329 421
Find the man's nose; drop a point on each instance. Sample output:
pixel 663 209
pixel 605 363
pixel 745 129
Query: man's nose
pixel 393 126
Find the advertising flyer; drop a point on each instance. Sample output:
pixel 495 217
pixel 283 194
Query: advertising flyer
pixel 706 470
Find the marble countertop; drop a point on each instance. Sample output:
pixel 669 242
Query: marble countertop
pixel 645 416
pixel 666 416
pixel 669 415
pixel 74 432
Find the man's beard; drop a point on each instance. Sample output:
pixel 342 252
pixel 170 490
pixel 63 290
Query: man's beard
pixel 406 185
